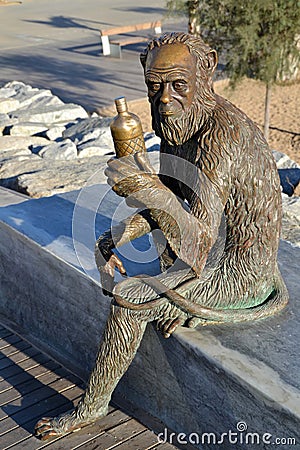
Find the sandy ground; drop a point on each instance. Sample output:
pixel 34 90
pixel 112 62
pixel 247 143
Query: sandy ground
pixel 249 96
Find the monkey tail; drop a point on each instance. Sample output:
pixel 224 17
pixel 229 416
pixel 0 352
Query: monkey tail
pixel 276 301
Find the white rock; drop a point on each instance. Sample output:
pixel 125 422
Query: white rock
pixel 26 94
pixel 8 143
pixel 19 154
pixel 92 135
pixel 41 99
pixel 6 121
pixel 291 207
pixel 64 150
pixel 27 129
pixel 61 114
pixel 152 142
pixel 6 92
pixel 47 180
pixel 291 219
pixel 91 128
pixel 12 167
pixel 16 85
pixel 93 148
pixel 54 133
pixel 283 161
pixel 3 121
pixel 8 104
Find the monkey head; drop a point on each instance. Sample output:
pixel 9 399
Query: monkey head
pixel 178 72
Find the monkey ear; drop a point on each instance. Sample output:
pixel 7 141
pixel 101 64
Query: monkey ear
pixel 212 61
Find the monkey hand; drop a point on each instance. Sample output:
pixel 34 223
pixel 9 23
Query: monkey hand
pixel 107 262
pixel 131 177
pixel 107 273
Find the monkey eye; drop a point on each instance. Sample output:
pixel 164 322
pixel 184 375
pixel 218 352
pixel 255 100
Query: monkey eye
pixel 153 86
pixel 180 85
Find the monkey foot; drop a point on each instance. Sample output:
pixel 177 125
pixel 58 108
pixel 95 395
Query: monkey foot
pixel 168 326
pixel 48 427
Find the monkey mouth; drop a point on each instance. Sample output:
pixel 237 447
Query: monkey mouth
pixel 166 113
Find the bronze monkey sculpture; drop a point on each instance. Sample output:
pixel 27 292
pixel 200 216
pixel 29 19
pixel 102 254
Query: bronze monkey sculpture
pixel 216 173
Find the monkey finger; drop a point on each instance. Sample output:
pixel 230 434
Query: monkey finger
pixel 112 174
pixel 43 429
pixel 171 326
pixel 195 321
pixel 124 165
pixel 164 327
pixel 116 262
pixel 44 422
pixel 143 162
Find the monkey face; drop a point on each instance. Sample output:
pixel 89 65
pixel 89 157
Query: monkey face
pixel 170 75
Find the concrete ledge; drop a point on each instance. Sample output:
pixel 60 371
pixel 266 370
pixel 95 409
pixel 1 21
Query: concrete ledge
pixel 199 381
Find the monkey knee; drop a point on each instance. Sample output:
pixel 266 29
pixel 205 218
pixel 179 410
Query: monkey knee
pixel 134 290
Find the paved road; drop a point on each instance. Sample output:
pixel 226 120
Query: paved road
pixel 55 44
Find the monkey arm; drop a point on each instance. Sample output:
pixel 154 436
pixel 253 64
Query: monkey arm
pixel 190 235
pixel 131 228
pixel 106 261
pixel 189 238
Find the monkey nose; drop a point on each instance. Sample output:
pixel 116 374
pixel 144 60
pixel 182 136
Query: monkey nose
pixel 165 96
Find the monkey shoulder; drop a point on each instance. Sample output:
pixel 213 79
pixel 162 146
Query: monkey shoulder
pixel 241 137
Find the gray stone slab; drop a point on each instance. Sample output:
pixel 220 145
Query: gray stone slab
pixel 87 129
pixel 26 95
pixel 55 132
pixel 8 143
pixel 50 114
pixel 8 104
pixel 27 129
pixel 64 151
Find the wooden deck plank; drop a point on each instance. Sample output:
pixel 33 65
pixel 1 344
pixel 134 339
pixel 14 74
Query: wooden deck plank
pixel 165 446
pixel 31 385
pixel 18 357
pixel 18 437
pixel 117 434
pixel 23 365
pixel 19 346
pixel 16 408
pixel 35 372
pixel 9 340
pixel 144 440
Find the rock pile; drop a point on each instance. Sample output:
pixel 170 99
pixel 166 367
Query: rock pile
pixel 49 147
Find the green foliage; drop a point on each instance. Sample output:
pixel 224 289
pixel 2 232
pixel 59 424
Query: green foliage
pixel 259 37
pixel 177 7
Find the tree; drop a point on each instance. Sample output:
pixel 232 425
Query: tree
pixel 189 8
pixel 260 39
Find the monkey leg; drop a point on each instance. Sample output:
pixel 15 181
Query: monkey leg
pixel 121 340
pixel 206 304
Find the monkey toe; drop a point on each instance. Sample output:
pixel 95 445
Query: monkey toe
pixel 44 429
pixel 167 327
pixel 47 427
